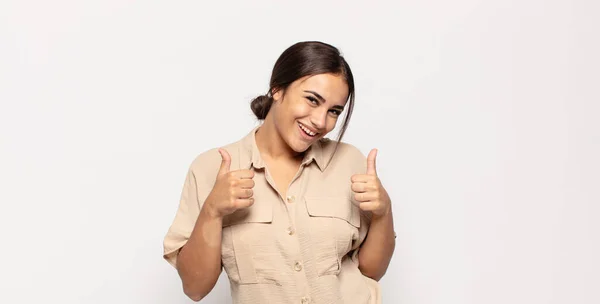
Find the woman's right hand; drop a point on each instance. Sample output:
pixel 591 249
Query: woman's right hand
pixel 232 189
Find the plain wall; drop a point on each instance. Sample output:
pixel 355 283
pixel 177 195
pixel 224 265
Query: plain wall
pixel 485 114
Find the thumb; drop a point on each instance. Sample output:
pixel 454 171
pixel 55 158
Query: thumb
pixel 371 167
pixel 225 161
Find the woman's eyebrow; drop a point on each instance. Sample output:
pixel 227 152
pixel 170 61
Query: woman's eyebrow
pixel 341 108
pixel 316 94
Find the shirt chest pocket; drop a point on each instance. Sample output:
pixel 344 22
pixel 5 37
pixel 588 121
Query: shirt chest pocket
pixel 333 226
pixel 247 245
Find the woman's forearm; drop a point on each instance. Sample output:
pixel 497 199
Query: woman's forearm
pixel 199 261
pixel 376 251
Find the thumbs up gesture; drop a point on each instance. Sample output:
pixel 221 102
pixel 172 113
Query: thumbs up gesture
pixel 232 189
pixel 368 190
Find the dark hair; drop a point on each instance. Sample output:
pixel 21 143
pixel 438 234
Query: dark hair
pixel 306 59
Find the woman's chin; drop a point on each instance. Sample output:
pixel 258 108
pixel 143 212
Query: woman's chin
pixel 299 146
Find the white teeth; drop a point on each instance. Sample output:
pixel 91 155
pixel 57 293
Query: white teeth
pixel 307 131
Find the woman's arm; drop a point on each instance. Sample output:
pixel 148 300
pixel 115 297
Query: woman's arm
pixel 376 251
pixel 199 260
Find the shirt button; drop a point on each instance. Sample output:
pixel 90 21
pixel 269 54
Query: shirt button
pixel 298 266
pixel 305 300
pixel 291 198
pixel 290 230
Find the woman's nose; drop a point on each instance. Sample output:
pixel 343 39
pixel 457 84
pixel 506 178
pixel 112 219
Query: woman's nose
pixel 319 119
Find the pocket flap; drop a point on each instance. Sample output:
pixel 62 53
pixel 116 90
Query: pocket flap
pixel 338 207
pixel 257 213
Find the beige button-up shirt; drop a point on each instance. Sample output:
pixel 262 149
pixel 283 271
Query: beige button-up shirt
pixel 302 248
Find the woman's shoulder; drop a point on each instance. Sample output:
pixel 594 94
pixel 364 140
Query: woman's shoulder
pixel 207 163
pixel 345 155
pixel 344 149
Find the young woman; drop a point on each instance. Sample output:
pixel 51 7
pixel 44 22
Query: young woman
pixel 291 216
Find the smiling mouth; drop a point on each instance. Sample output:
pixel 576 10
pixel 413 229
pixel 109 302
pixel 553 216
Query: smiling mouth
pixel 307 131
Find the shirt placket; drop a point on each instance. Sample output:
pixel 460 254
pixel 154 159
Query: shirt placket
pixel 293 239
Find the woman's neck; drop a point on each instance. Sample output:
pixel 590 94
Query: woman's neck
pixel 271 145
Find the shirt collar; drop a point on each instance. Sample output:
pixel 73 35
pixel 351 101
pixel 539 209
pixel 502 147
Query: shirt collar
pixel 250 155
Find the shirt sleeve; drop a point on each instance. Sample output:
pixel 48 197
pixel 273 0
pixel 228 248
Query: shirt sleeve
pixel 363 230
pixel 359 162
pixel 185 219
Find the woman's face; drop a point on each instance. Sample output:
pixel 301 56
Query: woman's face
pixel 309 109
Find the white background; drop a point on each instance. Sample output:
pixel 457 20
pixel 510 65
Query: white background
pixel 485 113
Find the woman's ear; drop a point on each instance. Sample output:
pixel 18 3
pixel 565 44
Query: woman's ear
pixel 277 95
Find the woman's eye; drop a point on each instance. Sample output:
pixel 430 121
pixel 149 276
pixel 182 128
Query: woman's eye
pixel 312 100
pixel 335 112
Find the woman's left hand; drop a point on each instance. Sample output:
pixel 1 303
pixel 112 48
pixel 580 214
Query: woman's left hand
pixel 368 190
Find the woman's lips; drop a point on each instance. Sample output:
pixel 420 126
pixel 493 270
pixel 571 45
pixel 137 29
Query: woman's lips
pixel 304 135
